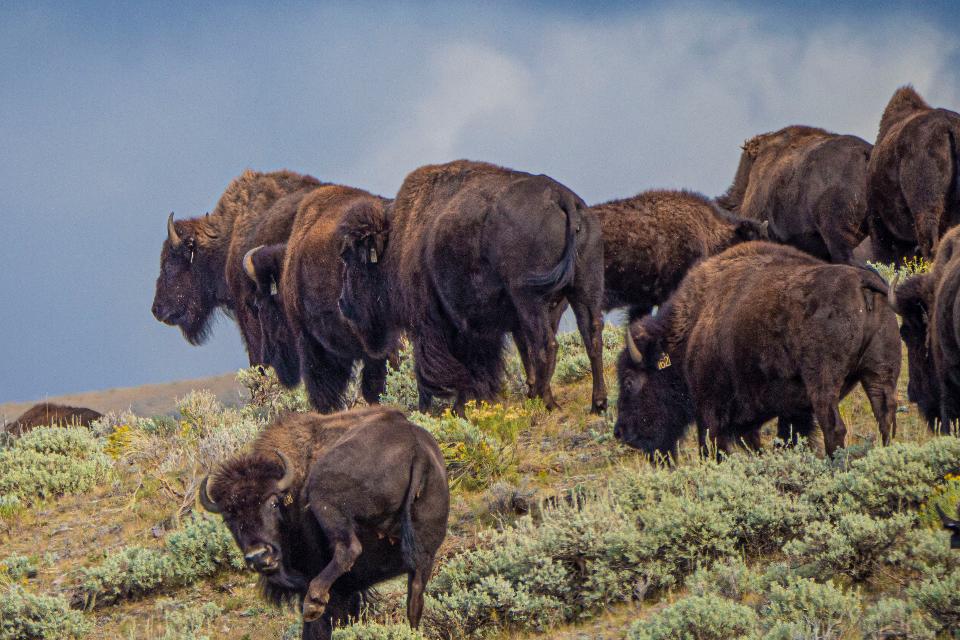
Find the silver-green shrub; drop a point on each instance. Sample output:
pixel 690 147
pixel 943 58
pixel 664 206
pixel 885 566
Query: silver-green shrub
pixel 27 616
pixel 895 618
pixel 706 617
pixel 186 622
pixel 201 548
pixel 49 462
pixel 377 631
pixel 799 607
pixel 16 567
pixel 939 597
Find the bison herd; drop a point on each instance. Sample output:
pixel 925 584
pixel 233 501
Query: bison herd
pixel 756 305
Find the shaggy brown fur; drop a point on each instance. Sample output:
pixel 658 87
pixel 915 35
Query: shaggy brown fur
pixel 913 182
pixel 367 501
pixel 652 239
pixel 47 413
pixel 468 252
pixel 930 306
pixel 809 184
pixel 759 331
pixel 201 275
pixel 304 314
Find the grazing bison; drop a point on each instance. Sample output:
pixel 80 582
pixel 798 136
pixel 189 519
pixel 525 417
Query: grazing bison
pixel 47 413
pixel 467 252
pixel 756 332
pixel 325 507
pixel 913 181
pixel 930 306
pixel 652 239
pixel 200 261
pixel 810 185
pixel 298 285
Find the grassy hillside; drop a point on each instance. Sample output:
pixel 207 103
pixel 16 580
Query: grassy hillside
pixel 556 529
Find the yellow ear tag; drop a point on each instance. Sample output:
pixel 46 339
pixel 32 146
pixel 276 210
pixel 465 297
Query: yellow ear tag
pixel 288 499
pixel 663 362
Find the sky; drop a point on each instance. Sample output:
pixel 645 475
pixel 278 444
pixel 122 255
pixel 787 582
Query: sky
pixel 114 114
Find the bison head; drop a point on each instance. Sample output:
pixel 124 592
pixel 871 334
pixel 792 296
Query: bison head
pixel 364 299
pixel 186 293
pixel 255 496
pixel 654 407
pixel 264 266
pixel 911 301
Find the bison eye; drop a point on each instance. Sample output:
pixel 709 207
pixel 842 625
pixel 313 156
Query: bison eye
pixel 272 502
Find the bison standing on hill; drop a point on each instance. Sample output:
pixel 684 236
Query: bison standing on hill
pixel 930 306
pixel 200 261
pixel 809 184
pixel 652 239
pixel 913 178
pixel 298 285
pixel 325 507
pixel 756 332
pixel 467 252
pixel 44 414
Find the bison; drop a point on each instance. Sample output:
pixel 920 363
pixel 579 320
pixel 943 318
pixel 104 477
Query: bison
pixel 809 184
pixel 953 526
pixel 325 507
pixel 48 413
pixel 913 180
pixel 930 306
pixel 298 285
pixel 200 261
pixel 467 252
pixel 652 239
pixel 759 331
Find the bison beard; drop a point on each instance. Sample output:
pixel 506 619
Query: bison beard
pixel 756 332
pixel 325 507
pixel 467 253
pixel 809 184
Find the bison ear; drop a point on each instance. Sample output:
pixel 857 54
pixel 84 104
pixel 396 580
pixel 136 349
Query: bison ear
pixel 363 233
pixel 645 349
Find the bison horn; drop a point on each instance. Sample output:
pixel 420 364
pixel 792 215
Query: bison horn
pixel 205 499
pixel 632 349
pixel 947 522
pixel 175 240
pixel 248 263
pixel 289 474
pixel 892 291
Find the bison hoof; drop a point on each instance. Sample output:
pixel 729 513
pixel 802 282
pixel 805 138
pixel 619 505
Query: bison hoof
pixel 314 604
pixel 599 407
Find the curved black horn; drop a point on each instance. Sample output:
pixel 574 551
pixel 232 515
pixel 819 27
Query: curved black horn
pixel 205 499
pixel 289 474
pixel 175 240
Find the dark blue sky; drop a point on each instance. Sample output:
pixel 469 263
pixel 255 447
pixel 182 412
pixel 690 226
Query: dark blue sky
pixel 114 114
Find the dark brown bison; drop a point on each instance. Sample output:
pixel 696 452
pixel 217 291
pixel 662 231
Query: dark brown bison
pixel 810 185
pixel 756 332
pixel 953 526
pixel 298 285
pixel 913 181
pixel 47 413
pixel 930 306
pixel 325 507
pixel 467 252
pixel 200 261
pixel 652 239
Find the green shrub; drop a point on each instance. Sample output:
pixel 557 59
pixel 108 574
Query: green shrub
pixel 49 462
pixel 728 577
pixel 401 385
pixel 16 567
pixel 939 597
pixel 201 548
pixel 182 622
pixel 377 631
pixel 26 616
pixel 802 608
pixel 895 618
pixel 706 617
pixel 269 398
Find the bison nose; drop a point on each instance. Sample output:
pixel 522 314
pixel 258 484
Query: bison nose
pixel 156 311
pixel 258 557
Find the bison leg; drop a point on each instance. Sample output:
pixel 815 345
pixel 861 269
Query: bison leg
pixel 882 394
pixel 828 415
pixel 590 324
pixel 373 381
pixel 345 548
pixel 338 611
pixel 539 343
pixel 325 375
pixel 416 582
pixel 841 223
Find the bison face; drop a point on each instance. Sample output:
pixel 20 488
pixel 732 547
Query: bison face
pixel 253 496
pixel 264 266
pixel 185 296
pixel 364 300
pixel 653 408
pixel 909 300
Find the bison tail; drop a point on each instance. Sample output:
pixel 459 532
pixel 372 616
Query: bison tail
pixel 871 280
pixel 409 546
pixel 562 274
